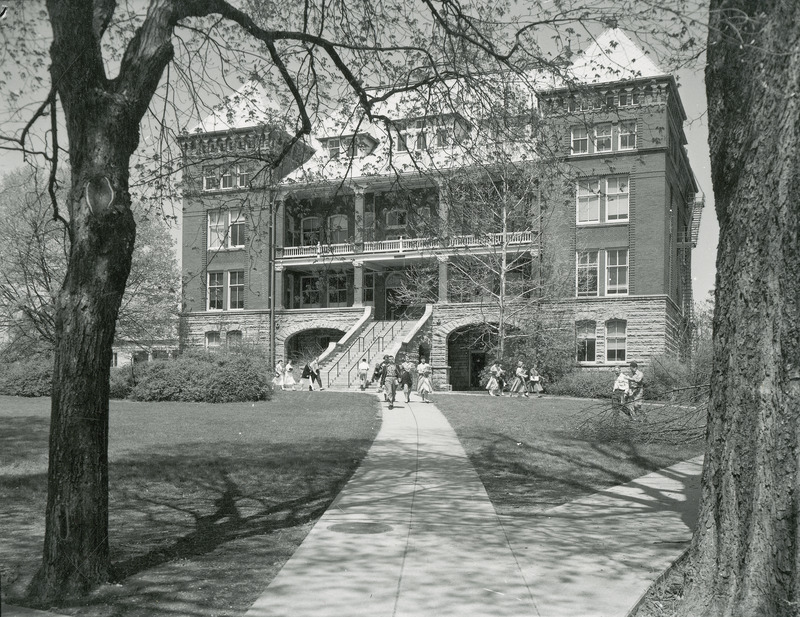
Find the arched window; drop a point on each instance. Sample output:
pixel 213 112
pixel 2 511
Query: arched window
pixel 212 340
pixel 616 340
pixel 337 228
pixel 310 229
pixel 586 340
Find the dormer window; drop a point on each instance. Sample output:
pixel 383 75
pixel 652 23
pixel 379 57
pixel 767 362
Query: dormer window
pixel 334 148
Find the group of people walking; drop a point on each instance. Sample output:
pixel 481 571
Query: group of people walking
pixel 390 376
pixel 525 381
pixel 310 377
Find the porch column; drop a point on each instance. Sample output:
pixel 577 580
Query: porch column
pixel 359 215
pixel 280 222
pixel 444 211
pixel 358 283
pixel 278 291
pixel 442 259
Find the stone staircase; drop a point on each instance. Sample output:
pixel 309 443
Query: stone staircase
pixel 340 371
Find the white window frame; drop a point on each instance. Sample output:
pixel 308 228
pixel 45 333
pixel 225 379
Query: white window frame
pixel 588 201
pixel 337 228
pixel 236 288
pixel 616 338
pixel 242 176
pixel 212 340
pixel 585 263
pixel 396 225
pixel 210 179
pixel 603 137
pixel 226 179
pixel 579 135
pixel 340 289
pixel 236 219
pixel 617 192
pixel 216 288
pixel 586 330
pixel 617 269
pixel 626 135
pixel 628 98
pixel 313 235
pixel 334 148
pixel 217 229
pixel 315 289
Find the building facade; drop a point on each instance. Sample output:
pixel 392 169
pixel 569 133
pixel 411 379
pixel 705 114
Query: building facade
pixel 358 244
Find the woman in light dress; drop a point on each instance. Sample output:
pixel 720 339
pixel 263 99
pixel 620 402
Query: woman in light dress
pixel 288 379
pixel 518 385
pixel 277 380
pixel 424 386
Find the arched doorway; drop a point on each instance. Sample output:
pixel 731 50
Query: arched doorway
pixel 467 355
pixel 309 344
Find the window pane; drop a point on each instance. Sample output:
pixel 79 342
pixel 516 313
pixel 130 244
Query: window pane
pixel 243 173
pixel 337 229
pixel 236 236
pixel 602 137
pixel 586 341
pixel 616 340
pixel 589 201
pixel 617 268
pixel 236 289
pixel 215 291
pixel 333 148
pixel 587 273
pixel 310 231
pixel 617 198
pixel 216 229
pixel 580 140
pixel 227 178
pixel 209 178
pixel 627 135
pixel 309 291
pixel 212 340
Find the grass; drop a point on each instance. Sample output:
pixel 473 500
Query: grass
pixel 534 454
pixel 206 501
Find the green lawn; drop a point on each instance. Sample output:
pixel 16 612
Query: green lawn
pixel 533 454
pixel 206 501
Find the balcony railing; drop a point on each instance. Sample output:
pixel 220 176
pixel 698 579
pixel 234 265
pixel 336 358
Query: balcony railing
pixel 406 245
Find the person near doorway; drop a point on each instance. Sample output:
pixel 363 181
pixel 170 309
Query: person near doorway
pixel 390 380
pixel 315 374
pixel 363 373
pixel 407 378
pixel 424 385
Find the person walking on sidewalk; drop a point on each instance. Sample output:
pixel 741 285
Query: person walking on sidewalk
pixel 363 373
pixel 389 381
pixel 424 385
pixel 407 378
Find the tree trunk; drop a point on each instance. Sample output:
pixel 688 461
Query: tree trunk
pixel 76 549
pixel 745 559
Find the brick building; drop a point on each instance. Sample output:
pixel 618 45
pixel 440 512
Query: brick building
pixel 336 229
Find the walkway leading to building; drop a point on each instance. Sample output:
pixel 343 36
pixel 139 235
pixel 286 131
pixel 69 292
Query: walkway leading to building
pixel 413 534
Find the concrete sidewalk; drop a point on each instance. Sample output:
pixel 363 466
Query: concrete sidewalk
pixel 414 534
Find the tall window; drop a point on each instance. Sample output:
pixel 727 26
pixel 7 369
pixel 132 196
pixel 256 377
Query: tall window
pixel 210 178
pixel 337 228
pixel 617 272
pixel 334 148
pixel 216 291
pixel 402 144
pixel 617 198
pixel 396 218
pixel 616 340
pixel 309 291
pixel 337 290
pixel 237 226
pixel 588 273
pixel 442 137
pixel 369 287
pixel 226 178
pixel 421 142
pixel 236 290
pixel 310 228
pixel 226 229
pixel 589 201
pixel 217 227
pixel 627 135
pixel 212 340
pixel 602 137
pixel 580 140
pixel 243 176
pixel 586 340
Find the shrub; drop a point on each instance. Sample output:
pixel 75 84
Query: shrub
pixel 121 382
pixel 204 377
pixel 29 377
pixel 585 384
